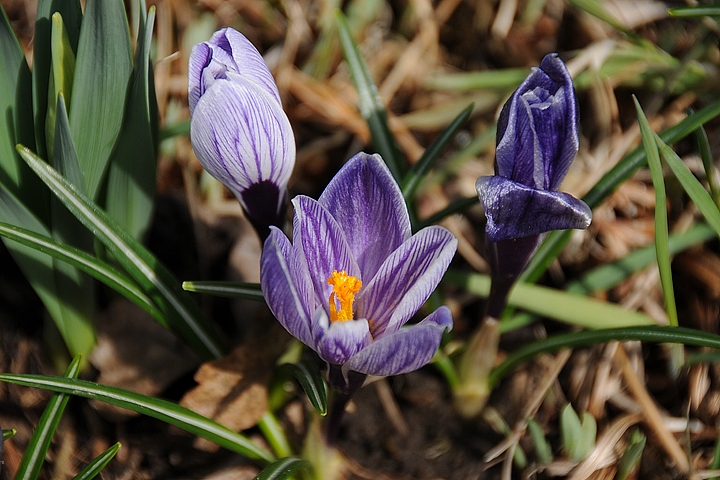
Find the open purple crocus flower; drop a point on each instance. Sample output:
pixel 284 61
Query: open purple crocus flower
pixel 537 139
pixel 239 130
pixel 354 275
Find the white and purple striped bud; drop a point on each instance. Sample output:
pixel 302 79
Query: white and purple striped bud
pixel 239 131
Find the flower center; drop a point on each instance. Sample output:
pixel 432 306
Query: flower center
pixel 341 299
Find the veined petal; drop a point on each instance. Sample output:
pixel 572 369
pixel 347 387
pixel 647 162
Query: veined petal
pixel 406 279
pixel 405 350
pixel 336 342
pixel 514 210
pixel 321 240
pixel 247 60
pixel 200 57
pixel 242 136
pixel 369 207
pixel 286 286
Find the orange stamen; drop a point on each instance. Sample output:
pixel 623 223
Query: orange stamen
pixel 343 295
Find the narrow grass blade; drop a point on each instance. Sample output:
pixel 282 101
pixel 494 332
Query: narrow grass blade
pixel 692 185
pixel 608 275
pixel 37 448
pixel 694 12
pixel 502 79
pixel 283 468
pixel 706 156
pixel 8 434
pixel 650 333
pixel 102 72
pixel 163 410
pixel 556 304
pixel 662 249
pixel 63 71
pixel 93 266
pixel 183 314
pixel 626 168
pixel 274 434
pixel 596 9
pixel 416 174
pixel 369 102
pixel 248 291
pixel 94 468
pixel 543 451
pixel 308 376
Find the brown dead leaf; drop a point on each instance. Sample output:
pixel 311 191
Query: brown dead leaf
pixel 137 353
pixel 233 390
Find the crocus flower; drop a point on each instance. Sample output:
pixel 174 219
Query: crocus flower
pixel 239 130
pixel 537 139
pixel 354 275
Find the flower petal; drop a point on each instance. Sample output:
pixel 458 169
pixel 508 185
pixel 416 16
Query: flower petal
pixel 537 135
pixel 226 55
pixel 336 342
pixel 321 240
pixel 405 350
pixel 514 210
pixel 242 136
pixel 286 286
pixel 369 206
pixel 406 279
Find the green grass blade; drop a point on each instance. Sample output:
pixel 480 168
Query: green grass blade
pixel 248 291
pixel 63 71
pixel 163 410
pixel 308 376
pixel 369 102
pixel 95 267
pixel 706 156
pixel 416 174
pixel 651 333
pixel 274 434
pixel 283 468
pixel 631 455
pixel 37 448
pixel 503 79
pixel 662 249
pixel 543 450
pixel 102 72
pixel 692 185
pixel 133 164
pixel 694 12
pixel 608 275
pixel 626 168
pixel 183 314
pixel 94 468
pixel 8 434
pixel 556 304
pixel 596 9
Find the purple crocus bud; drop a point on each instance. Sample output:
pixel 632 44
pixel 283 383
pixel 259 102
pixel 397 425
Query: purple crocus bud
pixel 537 139
pixel 354 275
pixel 239 130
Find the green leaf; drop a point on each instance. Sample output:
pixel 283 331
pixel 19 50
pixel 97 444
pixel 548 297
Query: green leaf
pixel 102 73
pixel 705 152
pixel 248 291
pixel 183 313
pixel 570 430
pixel 632 454
pixel 369 101
pixel 692 185
pixel 307 374
pixel 556 304
pixel 457 206
pixel 588 433
pixel 499 79
pixel 93 468
pixel 416 174
pixel 63 70
pixel 133 163
pixel 661 223
pixel 95 267
pixel 651 333
pixel 596 9
pixel 17 126
pixel 283 468
pixel 626 168
pixel 274 434
pixel 542 447
pixel 37 448
pixel 163 410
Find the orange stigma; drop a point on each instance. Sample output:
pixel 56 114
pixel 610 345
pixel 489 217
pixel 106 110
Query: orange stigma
pixel 344 289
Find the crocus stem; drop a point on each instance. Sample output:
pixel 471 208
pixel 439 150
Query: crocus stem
pixel 343 387
pixel 334 418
